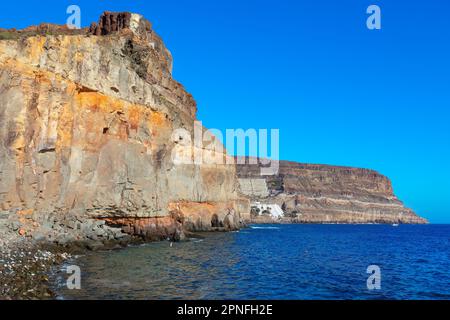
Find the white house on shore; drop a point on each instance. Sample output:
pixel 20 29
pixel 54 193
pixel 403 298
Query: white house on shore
pixel 275 211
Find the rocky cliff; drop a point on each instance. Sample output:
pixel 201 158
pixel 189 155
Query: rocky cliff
pixel 326 194
pixel 90 126
pixel 87 123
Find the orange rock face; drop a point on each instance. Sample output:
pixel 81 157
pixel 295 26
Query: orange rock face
pixel 86 126
pixel 151 229
pixel 206 216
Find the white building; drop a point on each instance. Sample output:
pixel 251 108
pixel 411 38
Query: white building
pixel 275 211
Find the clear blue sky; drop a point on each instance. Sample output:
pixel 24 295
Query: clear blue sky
pixel 339 93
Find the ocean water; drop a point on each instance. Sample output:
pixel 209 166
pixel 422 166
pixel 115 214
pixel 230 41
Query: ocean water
pixel 274 262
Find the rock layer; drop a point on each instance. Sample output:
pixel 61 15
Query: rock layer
pixel 328 194
pixel 87 126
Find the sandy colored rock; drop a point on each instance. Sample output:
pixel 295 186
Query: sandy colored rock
pixel 86 128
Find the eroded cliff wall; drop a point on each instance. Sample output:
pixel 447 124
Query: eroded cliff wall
pixel 87 122
pixel 327 194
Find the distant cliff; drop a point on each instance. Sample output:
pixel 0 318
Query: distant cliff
pixel 327 194
pixel 86 132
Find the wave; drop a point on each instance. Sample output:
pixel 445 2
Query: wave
pixel 195 240
pixel 264 227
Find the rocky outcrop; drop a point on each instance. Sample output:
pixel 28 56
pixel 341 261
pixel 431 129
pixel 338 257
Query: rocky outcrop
pixel 88 127
pixel 114 22
pixel 111 22
pixel 328 194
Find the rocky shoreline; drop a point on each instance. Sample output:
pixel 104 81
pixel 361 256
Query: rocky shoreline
pixel 28 257
pixel 26 265
pixel 24 271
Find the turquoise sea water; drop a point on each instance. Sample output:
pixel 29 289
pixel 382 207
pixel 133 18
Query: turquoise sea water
pixel 275 262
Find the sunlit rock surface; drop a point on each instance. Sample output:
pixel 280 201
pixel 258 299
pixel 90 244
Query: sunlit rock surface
pixel 86 129
pixel 327 194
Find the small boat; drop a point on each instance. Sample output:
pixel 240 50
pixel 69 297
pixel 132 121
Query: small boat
pixel 395 225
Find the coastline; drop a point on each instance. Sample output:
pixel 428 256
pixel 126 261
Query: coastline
pixel 24 271
pixel 26 266
pixel 246 259
pixel 26 259
pixel 70 190
pixel 286 220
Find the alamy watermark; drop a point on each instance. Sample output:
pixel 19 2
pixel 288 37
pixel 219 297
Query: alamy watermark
pixel 206 147
pixel 74 280
pixel 374 20
pixel 74 20
pixel 374 280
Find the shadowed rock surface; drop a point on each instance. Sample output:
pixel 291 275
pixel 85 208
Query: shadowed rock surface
pixel 326 194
